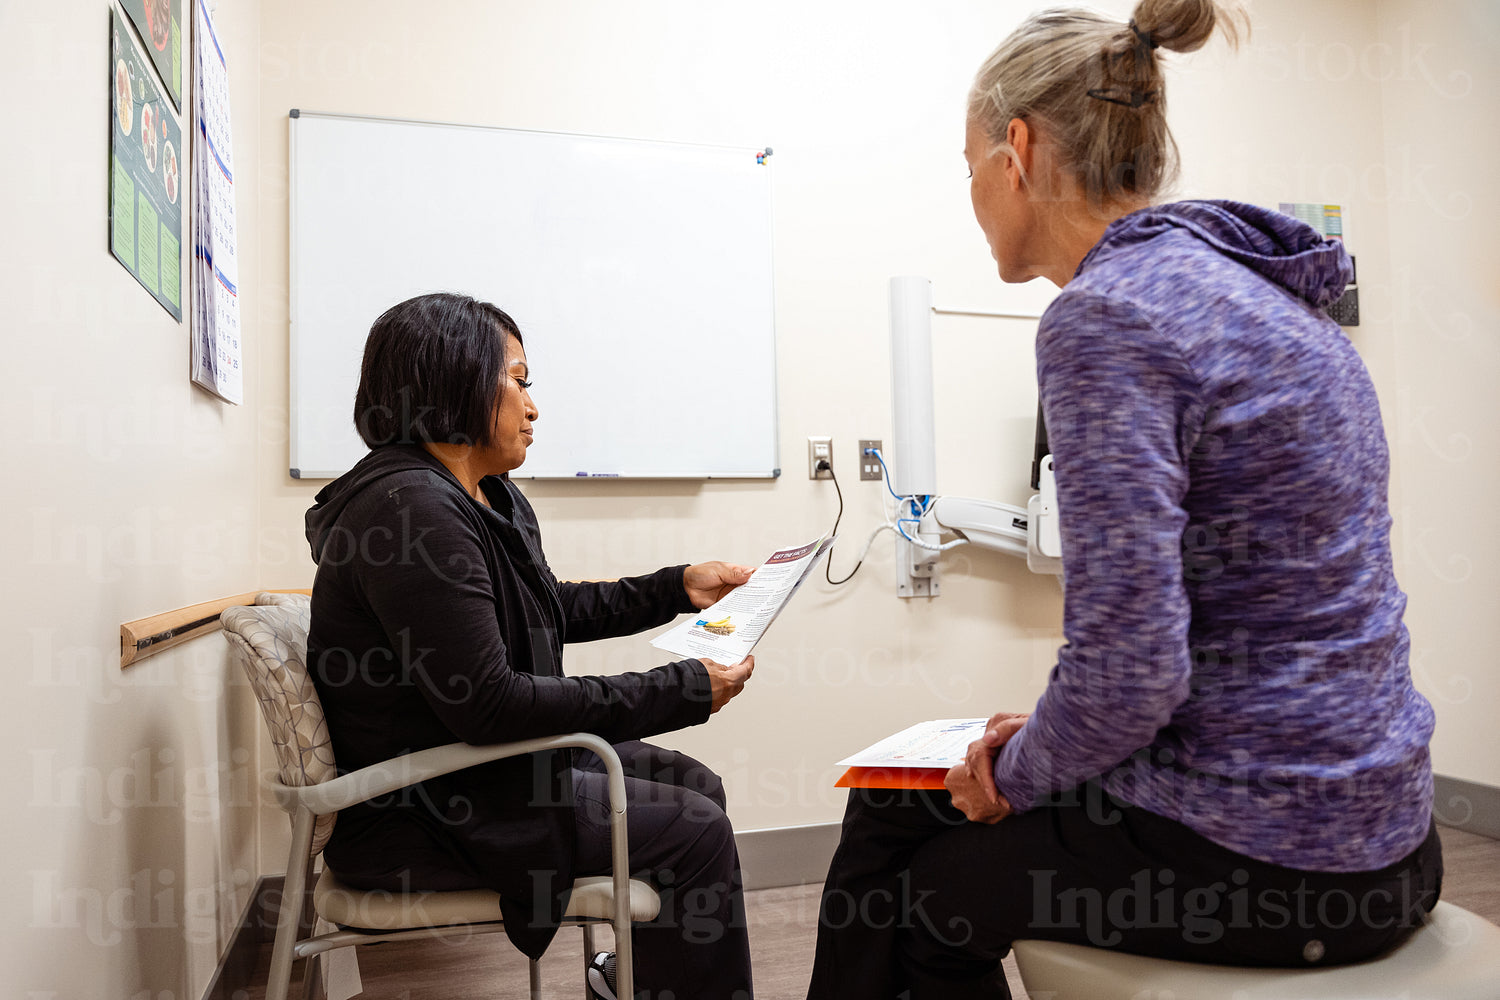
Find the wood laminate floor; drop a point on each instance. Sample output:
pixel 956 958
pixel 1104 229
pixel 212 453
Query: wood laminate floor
pixel 782 927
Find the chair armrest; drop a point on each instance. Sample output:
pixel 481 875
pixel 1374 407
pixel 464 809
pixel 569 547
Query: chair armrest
pixel 379 779
pixel 399 772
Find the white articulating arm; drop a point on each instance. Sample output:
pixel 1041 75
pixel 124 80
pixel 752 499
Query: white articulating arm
pixel 1031 534
pixel 986 523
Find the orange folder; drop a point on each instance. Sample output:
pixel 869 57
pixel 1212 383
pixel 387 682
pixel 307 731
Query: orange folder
pixel 893 777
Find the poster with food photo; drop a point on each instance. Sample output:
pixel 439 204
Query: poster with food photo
pixel 160 25
pixel 145 190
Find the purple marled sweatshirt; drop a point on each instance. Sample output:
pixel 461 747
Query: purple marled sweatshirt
pixel 1235 657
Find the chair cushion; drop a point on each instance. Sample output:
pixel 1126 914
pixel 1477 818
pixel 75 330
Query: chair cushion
pixel 1456 956
pixel 377 910
pixel 594 896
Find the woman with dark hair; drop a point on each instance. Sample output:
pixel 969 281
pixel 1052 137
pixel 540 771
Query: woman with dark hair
pixel 435 618
pixel 1229 763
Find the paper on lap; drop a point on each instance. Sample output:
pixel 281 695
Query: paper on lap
pixel 938 743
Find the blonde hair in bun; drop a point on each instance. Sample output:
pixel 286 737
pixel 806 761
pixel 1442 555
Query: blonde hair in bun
pixel 1095 87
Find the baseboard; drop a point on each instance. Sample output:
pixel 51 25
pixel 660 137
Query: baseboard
pixel 236 970
pixel 1467 805
pixel 786 855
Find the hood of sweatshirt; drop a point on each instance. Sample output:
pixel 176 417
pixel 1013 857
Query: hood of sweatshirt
pixel 333 499
pixel 1279 248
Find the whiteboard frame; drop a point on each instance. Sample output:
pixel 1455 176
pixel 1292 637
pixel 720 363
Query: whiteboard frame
pixel 295 469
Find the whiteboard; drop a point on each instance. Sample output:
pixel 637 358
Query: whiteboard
pixel 639 273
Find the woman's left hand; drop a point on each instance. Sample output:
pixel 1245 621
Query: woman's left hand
pixel 972 783
pixel 708 582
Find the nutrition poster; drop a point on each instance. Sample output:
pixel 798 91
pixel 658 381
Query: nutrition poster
pixel 145 183
pixel 160 25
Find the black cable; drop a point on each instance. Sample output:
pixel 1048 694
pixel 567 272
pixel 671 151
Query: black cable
pixel 828 563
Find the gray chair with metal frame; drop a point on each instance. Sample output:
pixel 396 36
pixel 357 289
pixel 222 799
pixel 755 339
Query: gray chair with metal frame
pixel 270 641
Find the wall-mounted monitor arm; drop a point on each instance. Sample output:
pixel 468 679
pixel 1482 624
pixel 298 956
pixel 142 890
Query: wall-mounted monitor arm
pixel 1032 533
pixel 986 523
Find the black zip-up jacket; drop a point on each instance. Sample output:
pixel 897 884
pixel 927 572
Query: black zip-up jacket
pixel 436 619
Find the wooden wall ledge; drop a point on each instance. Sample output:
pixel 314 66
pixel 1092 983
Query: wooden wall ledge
pixel 146 636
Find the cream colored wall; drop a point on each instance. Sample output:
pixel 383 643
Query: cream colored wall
pixel 134 843
pixel 128 837
pixel 863 105
pixel 1438 83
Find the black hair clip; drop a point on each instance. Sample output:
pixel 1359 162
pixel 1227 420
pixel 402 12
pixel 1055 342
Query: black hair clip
pixel 1135 99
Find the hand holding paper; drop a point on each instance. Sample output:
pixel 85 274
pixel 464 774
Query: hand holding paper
pixel 728 630
pixel 726 682
pixel 971 783
pixel 707 583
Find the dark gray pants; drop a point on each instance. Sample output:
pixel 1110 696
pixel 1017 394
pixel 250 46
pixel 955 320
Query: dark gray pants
pixel 680 841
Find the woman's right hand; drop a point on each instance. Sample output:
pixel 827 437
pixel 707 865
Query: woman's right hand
pixel 726 682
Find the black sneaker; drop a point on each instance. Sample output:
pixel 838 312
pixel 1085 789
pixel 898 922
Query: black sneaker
pixel 601 976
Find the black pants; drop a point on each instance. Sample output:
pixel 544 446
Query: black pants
pixel 680 841
pixel 920 903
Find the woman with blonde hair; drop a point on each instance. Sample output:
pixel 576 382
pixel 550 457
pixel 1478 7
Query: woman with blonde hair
pixel 1229 763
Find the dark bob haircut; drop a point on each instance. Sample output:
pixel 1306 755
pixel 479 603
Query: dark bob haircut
pixel 431 371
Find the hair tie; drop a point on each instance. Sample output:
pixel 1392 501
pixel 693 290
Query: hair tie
pixel 1133 98
pixel 1144 36
pixel 1124 98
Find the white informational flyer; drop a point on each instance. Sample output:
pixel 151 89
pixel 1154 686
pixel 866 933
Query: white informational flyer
pixel 939 743
pixel 729 630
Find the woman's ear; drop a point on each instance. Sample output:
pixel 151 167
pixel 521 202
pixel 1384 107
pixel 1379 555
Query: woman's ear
pixel 1018 136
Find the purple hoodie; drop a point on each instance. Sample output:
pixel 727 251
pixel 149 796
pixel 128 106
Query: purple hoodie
pixel 1235 657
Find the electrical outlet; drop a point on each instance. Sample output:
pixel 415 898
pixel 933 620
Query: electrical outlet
pixel 819 449
pixel 869 465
